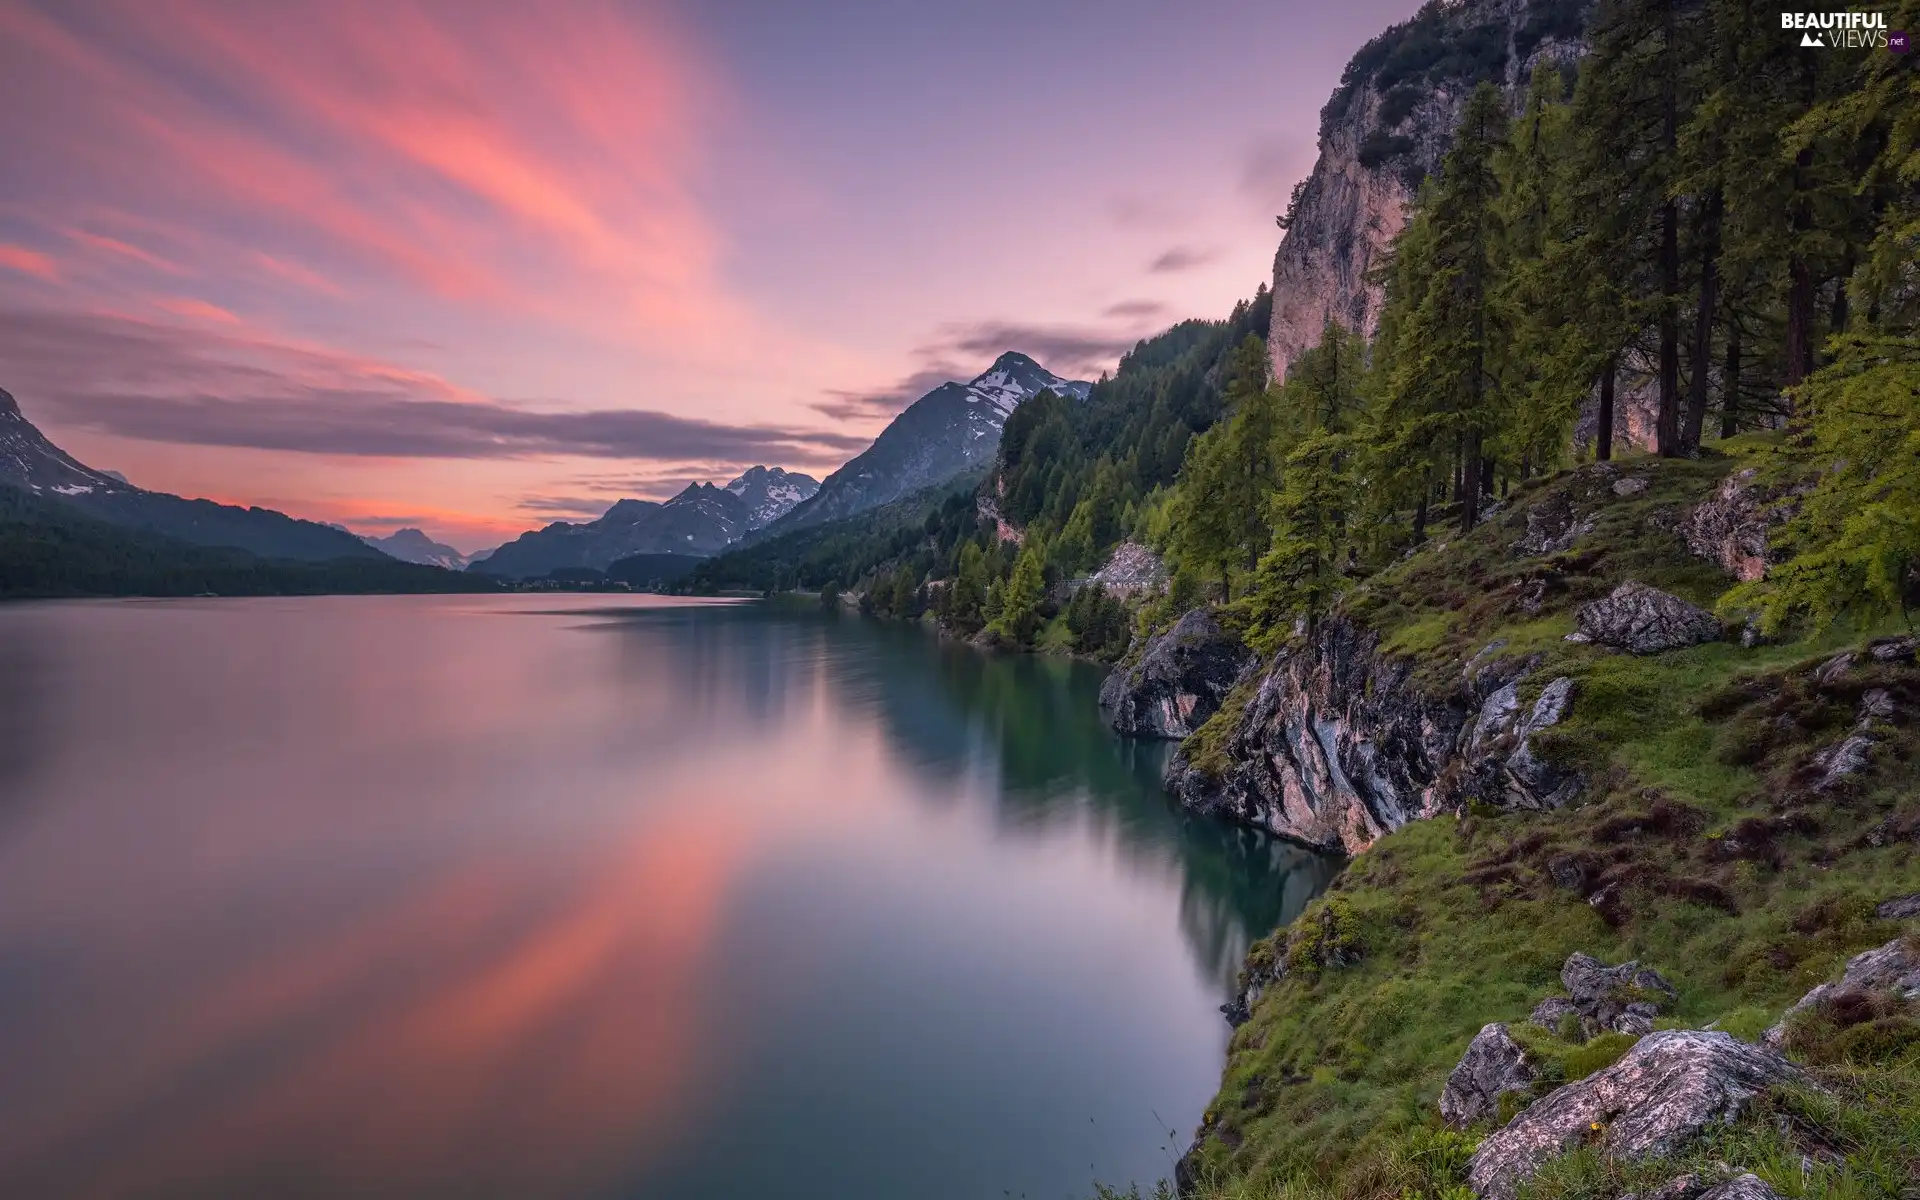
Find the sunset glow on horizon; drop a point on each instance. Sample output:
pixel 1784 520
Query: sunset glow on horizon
pixel 478 267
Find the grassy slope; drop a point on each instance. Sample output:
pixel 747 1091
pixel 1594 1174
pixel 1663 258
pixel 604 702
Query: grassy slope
pixel 1332 1087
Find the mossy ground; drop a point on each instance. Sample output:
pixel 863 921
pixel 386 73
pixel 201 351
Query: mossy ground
pixel 1700 848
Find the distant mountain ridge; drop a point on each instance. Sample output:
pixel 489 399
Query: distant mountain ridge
pixel 31 462
pixel 952 429
pixel 701 521
pixel 414 546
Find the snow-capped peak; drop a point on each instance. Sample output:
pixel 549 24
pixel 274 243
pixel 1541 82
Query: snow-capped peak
pixel 1014 378
pixel 769 492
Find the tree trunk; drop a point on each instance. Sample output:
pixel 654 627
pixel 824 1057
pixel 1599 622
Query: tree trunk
pixel 1420 516
pixel 1470 478
pixel 1603 436
pixel 1840 307
pixel 1666 430
pixel 1703 321
pixel 1730 382
pixel 1666 433
pixel 1799 321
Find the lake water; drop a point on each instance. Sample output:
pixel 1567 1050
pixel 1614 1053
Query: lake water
pixel 550 896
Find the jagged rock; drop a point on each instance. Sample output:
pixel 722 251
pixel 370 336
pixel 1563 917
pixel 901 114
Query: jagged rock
pixel 1645 620
pixel 1553 526
pixel 1900 908
pixel 1631 485
pixel 1552 1012
pixel 1622 999
pixel 1336 746
pixel 1730 526
pixel 1493 1065
pixel 1743 1187
pixel 1668 1088
pixel 1853 753
pixel 1179 681
pixel 1892 969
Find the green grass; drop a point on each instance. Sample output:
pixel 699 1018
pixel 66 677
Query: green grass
pixel 1735 879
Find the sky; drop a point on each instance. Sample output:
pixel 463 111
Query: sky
pixel 475 266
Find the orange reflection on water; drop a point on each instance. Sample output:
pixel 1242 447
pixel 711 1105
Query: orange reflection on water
pixel 490 1032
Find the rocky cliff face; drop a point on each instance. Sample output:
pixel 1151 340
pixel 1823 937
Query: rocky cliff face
pixel 1386 128
pixel 1336 745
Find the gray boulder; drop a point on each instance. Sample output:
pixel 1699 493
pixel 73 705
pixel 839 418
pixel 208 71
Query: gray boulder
pixel 1622 999
pixel 1665 1091
pixel 1644 620
pixel 1893 969
pixel 1899 908
pixel 1493 1065
pixel 1179 681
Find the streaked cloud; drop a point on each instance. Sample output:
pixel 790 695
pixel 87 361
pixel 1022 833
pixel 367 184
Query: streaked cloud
pixel 1183 258
pixel 165 383
pixel 30 262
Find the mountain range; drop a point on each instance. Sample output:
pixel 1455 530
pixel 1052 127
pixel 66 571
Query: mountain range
pixel 700 521
pixel 952 429
pixel 32 463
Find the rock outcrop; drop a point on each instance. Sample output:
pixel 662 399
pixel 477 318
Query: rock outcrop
pixel 1730 526
pixel 1892 970
pixel 1664 1092
pixel 1337 745
pixel 1131 569
pixel 1179 681
pixel 1644 620
pixel 1493 1065
pixel 1388 126
pixel 1622 999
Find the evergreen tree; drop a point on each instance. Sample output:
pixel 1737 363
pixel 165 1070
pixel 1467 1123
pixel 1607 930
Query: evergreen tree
pixel 1299 576
pixel 1446 366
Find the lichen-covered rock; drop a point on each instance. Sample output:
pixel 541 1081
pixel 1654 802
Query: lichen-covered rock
pixel 1741 1187
pixel 1493 1065
pixel 1730 526
pixel 1622 999
pixel 1336 745
pixel 1660 1095
pixel 1645 620
pixel 1892 970
pixel 1179 680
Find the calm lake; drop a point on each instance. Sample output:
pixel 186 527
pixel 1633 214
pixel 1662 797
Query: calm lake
pixel 591 896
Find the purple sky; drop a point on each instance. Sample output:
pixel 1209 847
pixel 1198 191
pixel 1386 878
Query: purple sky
pixel 476 266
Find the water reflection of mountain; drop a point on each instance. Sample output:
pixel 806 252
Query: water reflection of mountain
pixel 1024 731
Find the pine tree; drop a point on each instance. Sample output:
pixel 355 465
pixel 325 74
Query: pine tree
pixel 1299 576
pixel 1446 363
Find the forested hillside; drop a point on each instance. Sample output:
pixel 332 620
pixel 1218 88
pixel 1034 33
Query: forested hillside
pixel 48 549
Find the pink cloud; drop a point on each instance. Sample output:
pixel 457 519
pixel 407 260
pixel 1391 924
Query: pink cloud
pixel 32 262
pixel 199 310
